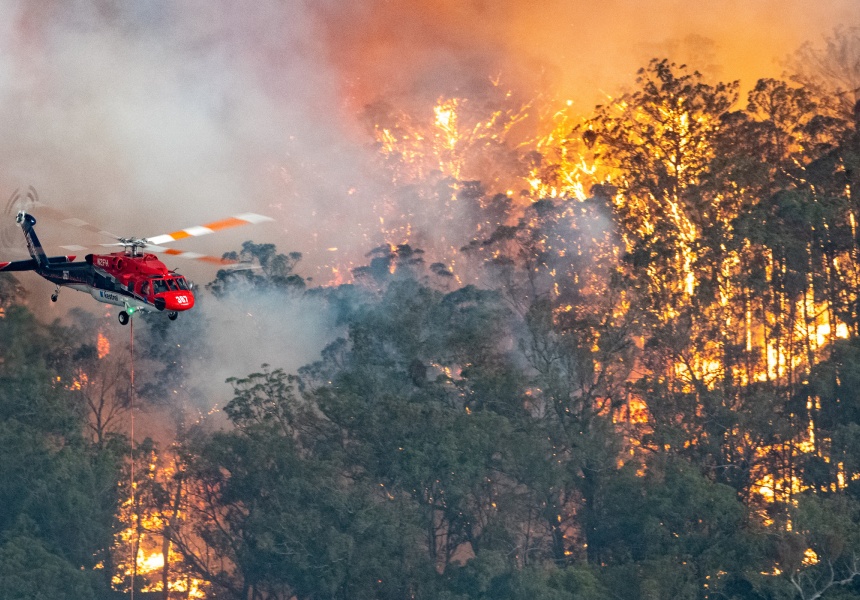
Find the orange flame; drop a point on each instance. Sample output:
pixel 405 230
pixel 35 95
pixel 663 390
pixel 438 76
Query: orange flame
pixel 102 345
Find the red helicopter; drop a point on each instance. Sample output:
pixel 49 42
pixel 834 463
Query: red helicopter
pixel 132 278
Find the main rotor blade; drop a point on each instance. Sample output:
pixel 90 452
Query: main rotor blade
pixel 63 217
pixel 171 251
pixel 150 244
pixel 32 201
pixel 234 221
pixel 190 255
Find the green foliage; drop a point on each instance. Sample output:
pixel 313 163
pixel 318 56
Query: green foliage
pixel 28 571
pixel 291 525
pixel 489 577
pixel 59 493
pixel 681 530
pixel 261 268
pixel 818 556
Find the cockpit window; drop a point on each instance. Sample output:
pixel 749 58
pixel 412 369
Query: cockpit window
pixel 171 283
pixel 159 286
pixel 180 281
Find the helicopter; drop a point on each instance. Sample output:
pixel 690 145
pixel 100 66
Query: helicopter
pixel 133 278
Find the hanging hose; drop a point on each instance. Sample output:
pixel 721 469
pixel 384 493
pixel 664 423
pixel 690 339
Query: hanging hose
pixel 133 504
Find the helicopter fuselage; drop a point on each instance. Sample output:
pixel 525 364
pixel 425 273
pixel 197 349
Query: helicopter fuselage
pixel 137 282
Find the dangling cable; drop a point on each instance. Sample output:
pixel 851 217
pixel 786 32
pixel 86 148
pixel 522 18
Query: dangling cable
pixel 133 505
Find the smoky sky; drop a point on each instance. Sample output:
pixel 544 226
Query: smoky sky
pixel 152 115
pixel 581 49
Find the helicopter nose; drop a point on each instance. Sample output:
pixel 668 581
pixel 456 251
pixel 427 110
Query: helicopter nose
pixel 176 301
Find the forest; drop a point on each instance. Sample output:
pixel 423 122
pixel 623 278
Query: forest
pixel 629 370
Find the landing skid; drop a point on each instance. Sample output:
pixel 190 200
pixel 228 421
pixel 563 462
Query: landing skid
pixel 124 317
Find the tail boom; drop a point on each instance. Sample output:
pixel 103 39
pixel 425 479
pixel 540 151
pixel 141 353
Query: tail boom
pixel 32 265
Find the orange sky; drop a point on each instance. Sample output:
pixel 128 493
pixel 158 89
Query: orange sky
pixel 581 48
